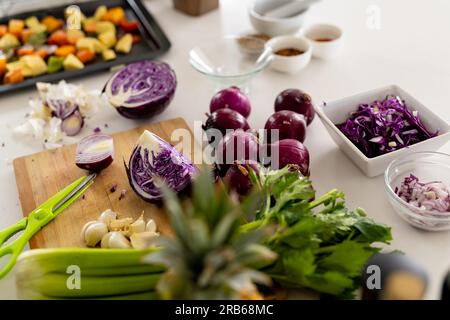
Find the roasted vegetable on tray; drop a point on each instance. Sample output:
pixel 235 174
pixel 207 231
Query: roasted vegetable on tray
pixel 32 47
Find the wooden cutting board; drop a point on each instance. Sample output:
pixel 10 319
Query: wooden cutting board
pixel 43 174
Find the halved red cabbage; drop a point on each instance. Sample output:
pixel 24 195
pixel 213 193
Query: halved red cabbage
pixel 153 157
pixel 142 89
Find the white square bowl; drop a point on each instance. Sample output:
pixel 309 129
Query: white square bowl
pixel 335 112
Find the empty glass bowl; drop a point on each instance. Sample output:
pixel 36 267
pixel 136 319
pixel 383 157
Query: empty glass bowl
pixel 232 60
pixel 427 166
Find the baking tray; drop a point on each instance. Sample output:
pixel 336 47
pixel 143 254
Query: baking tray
pixel 153 40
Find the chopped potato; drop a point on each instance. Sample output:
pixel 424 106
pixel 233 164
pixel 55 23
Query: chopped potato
pixel 90 43
pixel 71 62
pixel 9 41
pixel 15 26
pixel 108 38
pixel 124 44
pixel 32 21
pixel 100 12
pixel 108 55
pixel 35 63
pixel 74 35
pixel 104 26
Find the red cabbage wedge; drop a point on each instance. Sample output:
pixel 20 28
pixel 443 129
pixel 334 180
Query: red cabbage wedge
pixel 153 158
pixel 142 89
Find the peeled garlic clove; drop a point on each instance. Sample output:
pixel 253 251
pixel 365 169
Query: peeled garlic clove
pixel 142 240
pixel 151 226
pixel 120 224
pixel 107 216
pixel 115 240
pixel 93 232
pixel 138 225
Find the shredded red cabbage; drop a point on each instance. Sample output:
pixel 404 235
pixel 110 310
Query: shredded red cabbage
pixel 433 195
pixel 384 126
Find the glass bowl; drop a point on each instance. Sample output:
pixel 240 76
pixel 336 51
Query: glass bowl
pixel 232 60
pixel 427 166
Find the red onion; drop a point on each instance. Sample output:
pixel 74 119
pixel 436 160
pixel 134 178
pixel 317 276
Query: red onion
pixel 290 125
pixel 290 151
pixel 297 101
pixel 237 177
pixel 73 124
pixel 223 120
pixel 232 98
pixel 142 89
pixel 238 146
pixel 95 152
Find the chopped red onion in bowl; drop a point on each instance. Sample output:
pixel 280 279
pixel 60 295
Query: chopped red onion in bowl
pixel 434 195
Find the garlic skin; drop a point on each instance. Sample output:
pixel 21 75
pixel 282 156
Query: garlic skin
pixel 115 240
pixel 151 226
pixel 138 226
pixel 143 240
pixel 107 217
pixel 93 232
pixel 120 224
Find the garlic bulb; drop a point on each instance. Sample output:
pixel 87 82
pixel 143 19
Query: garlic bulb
pixel 107 216
pixel 93 232
pixel 115 240
pixel 151 226
pixel 138 225
pixel 142 240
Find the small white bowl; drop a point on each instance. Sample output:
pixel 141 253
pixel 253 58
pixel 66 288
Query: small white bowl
pixel 289 64
pixel 326 40
pixel 335 112
pixel 274 26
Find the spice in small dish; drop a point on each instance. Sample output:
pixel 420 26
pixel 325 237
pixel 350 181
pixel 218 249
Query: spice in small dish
pixel 323 39
pixel 434 195
pixel 253 43
pixel 289 52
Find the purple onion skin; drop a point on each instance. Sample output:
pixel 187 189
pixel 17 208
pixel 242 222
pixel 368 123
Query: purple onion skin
pixel 232 98
pixel 297 101
pixel 134 72
pixel 237 178
pixel 238 146
pixel 291 152
pixel 290 125
pixel 73 124
pixel 223 120
pixel 96 166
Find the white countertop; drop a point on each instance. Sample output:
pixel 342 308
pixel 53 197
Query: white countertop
pixel 410 49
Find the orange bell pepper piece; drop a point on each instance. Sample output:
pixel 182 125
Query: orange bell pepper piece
pixel 42 53
pixel 16 26
pixel 64 51
pixel 85 55
pixel 58 37
pixel 3 29
pixel 52 23
pixel 2 66
pixel 14 76
pixel 24 51
pixel 115 15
